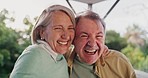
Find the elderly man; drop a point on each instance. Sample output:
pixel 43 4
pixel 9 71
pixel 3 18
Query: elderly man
pixel 90 57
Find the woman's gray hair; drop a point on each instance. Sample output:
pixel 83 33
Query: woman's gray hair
pixel 45 19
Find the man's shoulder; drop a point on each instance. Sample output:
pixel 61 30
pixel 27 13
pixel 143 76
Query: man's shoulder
pixel 118 59
pixel 116 55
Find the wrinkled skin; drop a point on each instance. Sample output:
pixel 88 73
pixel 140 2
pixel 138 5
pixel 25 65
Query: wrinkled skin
pixel 89 40
pixel 60 33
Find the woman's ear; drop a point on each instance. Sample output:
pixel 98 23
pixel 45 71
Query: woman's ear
pixel 42 33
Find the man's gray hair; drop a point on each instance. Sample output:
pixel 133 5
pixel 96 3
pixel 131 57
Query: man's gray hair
pixel 90 15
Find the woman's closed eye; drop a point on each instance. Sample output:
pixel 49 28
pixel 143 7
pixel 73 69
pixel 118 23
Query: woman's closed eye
pixel 71 28
pixel 57 28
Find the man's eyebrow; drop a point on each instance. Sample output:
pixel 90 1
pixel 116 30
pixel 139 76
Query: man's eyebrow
pixel 83 33
pixel 100 33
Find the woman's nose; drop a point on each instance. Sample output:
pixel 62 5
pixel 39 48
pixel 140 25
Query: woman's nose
pixel 65 35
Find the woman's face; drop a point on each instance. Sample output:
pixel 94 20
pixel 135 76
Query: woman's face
pixel 60 33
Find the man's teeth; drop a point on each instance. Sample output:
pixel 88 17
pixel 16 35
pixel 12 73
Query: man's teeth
pixel 91 51
pixel 63 43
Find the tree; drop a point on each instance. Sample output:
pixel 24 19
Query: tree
pixel 10 49
pixel 12 42
pixel 137 49
pixel 135 35
pixel 144 49
pixel 114 41
pixel 27 21
pixel 136 57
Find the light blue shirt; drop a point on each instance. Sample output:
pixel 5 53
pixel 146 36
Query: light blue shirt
pixel 40 61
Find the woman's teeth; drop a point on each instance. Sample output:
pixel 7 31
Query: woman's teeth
pixel 63 43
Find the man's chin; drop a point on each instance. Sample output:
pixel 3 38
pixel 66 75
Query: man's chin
pixel 91 62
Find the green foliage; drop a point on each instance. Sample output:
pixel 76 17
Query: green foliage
pixel 114 41
pixel 5 55
pixel 144 48
pixel 131 53
pixel 1 59
pixel 10 48
pixel 27 21
pixel 137 49
pixel 137 58
pixel 144 66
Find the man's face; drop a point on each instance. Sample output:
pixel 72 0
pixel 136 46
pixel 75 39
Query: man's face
pixel 60 33
pixel 89 40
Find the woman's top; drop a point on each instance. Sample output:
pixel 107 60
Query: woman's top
pixel 40 61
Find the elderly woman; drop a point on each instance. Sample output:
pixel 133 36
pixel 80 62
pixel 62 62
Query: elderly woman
pixel 51 37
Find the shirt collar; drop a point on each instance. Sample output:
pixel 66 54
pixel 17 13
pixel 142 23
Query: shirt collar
pixel 56 57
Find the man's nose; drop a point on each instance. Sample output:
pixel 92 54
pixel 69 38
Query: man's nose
pixel 92 42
